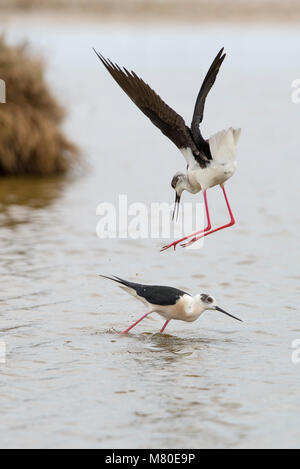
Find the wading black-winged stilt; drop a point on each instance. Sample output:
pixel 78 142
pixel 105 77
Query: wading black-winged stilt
pixel 169 302
pixel 209 162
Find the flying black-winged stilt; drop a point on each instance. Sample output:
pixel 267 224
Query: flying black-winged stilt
pixel 209 162
pixel 169 302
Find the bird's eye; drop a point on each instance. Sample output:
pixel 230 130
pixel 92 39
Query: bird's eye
pixel 174 182
pixel 206 298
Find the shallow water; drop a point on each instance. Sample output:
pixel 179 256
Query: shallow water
pixel 70 379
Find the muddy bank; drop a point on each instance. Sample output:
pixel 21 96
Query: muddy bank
pixel 192 10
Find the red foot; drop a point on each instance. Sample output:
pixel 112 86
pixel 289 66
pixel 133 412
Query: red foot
pixel 196 238
pixel 174 244
pixel 207 231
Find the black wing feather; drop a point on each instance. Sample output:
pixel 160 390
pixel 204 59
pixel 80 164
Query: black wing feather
pixel 207 84
pixel 154 294
pixel 147 100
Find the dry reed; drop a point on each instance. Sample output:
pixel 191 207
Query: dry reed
pixel 31 140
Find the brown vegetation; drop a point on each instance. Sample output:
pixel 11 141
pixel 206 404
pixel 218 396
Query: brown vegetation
pixel 31 141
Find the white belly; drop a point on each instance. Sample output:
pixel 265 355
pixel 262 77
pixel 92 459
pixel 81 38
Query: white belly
pixel 211 176
pixel 182 311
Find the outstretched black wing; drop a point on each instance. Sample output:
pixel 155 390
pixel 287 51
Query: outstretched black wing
pixel 154 294
pixel 161 115
pixel 207 84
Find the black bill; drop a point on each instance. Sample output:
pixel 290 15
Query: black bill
pixel 224 312
pixel 176 207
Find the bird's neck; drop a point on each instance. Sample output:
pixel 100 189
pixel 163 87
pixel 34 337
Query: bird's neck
pixel 186 185
pixel 194 308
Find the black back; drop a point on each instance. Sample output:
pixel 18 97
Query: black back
pixel 154 294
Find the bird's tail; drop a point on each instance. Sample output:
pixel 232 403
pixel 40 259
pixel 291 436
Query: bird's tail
pixel 129 287
pixel 223 145
pixel 122 282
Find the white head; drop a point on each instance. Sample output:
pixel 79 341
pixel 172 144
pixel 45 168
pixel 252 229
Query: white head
pixel 205 302
pixel 179 183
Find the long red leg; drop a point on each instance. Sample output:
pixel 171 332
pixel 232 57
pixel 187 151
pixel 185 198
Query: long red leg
pixel 208 227
pixel 232 222
pixel 139 320
pixel 164 326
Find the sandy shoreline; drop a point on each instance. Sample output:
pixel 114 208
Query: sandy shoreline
pixel 155 10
